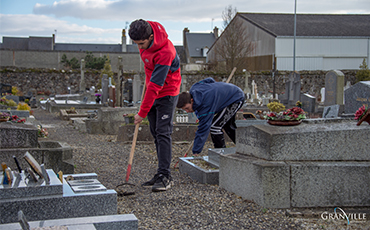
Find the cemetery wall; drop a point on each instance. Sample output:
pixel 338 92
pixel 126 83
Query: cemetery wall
pixel 57 81
pixel 51 59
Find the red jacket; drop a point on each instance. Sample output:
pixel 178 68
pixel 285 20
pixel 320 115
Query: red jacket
pixel 162 69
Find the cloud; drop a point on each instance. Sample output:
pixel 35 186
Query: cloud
pixel 188 10
pixel 41 25
pixel 128 10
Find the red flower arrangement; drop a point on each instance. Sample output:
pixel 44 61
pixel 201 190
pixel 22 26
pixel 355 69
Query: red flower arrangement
pixel 16 119
pixel 360 113
pixel 293 114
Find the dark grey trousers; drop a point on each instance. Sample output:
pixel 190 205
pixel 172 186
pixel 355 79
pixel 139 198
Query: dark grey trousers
pixel 160 119
pixel 224 120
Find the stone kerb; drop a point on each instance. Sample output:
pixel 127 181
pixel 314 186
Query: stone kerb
pixel 332 140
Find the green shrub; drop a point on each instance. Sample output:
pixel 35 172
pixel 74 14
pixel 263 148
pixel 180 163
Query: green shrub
pixel 364 73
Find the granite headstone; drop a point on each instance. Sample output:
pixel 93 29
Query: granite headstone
pixel 357 96
pixel 105 93
pixel 308 103
pixel 334 85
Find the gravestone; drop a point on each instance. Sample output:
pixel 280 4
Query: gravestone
pixel 308 103
pixel 105 93
pixel 247 89
pixel 357 96
pixel 292 90
pixel 82 82
pixel 127 93
pixel 137 87
pixel 334 84
pixel 112 96
pixel 331 111
pixel 254 90
pixel 322 93
pixel 5 88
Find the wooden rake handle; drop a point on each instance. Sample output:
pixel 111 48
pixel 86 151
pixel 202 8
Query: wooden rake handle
pixel 131 157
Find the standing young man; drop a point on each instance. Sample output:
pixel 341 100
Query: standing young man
pixel 163 80
pixel 215 104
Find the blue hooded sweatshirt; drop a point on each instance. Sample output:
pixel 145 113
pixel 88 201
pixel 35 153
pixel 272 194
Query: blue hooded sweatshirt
pixel 211 97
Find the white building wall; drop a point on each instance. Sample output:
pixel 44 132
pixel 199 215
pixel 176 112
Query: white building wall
pixel 321 53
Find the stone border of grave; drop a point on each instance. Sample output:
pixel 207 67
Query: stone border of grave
pixel 67 116
pixel 197 173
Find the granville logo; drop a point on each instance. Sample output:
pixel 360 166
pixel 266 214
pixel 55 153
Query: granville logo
pixel 340 214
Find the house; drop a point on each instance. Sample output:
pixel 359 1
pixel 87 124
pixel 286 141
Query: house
pixel 196 46
pixel 322 41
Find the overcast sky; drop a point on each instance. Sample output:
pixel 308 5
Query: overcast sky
pixel 102 21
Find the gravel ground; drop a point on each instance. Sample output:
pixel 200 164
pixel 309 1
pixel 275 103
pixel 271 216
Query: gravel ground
pixel 187 205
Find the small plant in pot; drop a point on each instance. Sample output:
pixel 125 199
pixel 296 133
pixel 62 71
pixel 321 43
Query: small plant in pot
pixel 4 116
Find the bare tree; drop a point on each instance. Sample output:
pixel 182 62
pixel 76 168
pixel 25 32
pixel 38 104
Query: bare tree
pixel 234 46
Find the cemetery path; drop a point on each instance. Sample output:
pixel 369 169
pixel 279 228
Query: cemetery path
pixel 188 205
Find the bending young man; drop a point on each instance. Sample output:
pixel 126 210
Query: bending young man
pixel 215 104
pixel 163 80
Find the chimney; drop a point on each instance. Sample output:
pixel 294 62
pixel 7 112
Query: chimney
pixel 215 32
pixel 186 30
pixel 124 46
pixel 53 42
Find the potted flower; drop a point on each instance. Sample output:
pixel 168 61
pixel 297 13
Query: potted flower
pixel 4 116
pixel 97 99
pixel 291 116
pixel 42 132
pixel 362 114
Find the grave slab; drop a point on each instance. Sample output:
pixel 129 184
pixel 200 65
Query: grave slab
pixel 64 203
pixel 14 135
pixel 264 182
pixel 313 139
pixel 319 163
pixel 105 222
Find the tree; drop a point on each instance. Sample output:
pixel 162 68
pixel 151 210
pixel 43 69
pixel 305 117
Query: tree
pixel 108 71
pixel 364 73
pixel 73 63
pixel 94 62
pixel 234 45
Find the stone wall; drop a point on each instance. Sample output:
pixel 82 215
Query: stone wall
pixel 51 59
pixel 57 81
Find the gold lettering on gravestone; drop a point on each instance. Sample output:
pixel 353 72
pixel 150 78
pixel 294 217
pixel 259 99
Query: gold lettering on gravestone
pixel 330 80
pixel 363 101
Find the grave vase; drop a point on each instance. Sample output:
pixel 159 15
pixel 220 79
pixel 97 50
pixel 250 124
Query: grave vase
pixel 97 99
pixel 4 119
pixel 284 123
pixel 366 118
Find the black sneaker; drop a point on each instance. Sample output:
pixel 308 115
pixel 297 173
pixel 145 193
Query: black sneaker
pixel 162 184
pixel 151 182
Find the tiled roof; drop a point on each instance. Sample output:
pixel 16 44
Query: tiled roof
pixel 197 41
pixel 353 25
